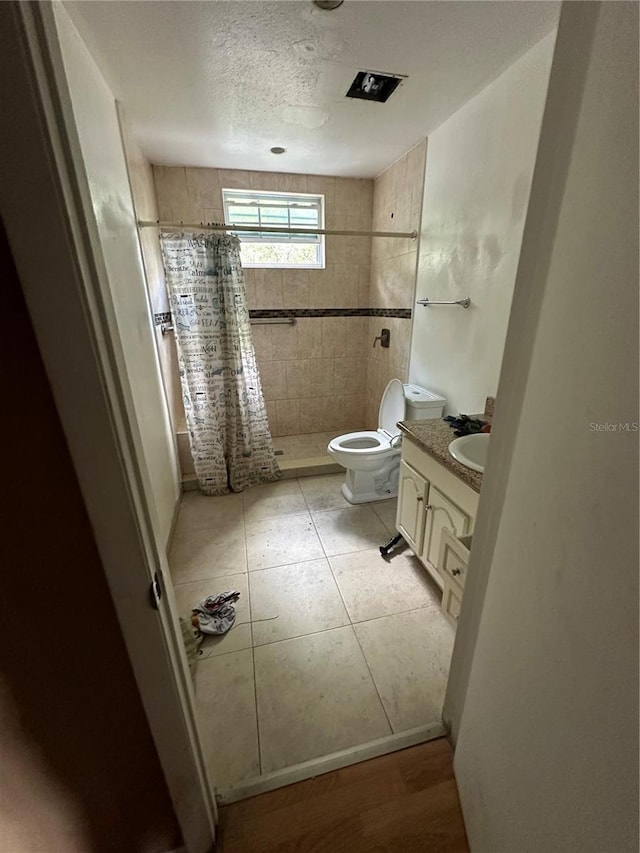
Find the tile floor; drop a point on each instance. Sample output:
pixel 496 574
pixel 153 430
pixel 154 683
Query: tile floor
pixel 332 647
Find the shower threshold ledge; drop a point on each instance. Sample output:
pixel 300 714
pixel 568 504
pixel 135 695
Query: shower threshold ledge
pixel 302 455
pixel 305 455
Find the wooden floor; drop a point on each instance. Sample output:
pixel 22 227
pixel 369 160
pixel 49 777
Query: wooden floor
pixel 406 801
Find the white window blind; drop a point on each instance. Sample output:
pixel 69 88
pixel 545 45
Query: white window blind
pixel 281 210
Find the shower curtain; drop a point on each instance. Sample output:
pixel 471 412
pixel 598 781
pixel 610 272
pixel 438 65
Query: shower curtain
pixel 225 410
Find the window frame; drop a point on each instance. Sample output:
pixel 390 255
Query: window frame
pixel 254 237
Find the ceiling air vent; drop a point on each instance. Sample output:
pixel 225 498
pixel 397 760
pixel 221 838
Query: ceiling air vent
pixel 374 86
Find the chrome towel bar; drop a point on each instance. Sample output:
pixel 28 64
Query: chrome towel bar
pixel 272 321
pixel 464 302
pixel 165 328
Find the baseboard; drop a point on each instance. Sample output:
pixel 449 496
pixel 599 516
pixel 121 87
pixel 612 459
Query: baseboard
pixel 327 763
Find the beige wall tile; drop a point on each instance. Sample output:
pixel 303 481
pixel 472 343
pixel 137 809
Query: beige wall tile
pixel 400 354
pixel 353 194
pixel 264 181
pixel 280 182
pixel 358 250
pixel 331 336
pixel 352 411
pixel 295 289
pixel 203 191
pixel 298 379
pixel 333 219
pixel 364 286
pixel 262 342
pixel 349 375
pixel 237 179
pixel 345 286
pixel 171 191
pixel 416 159
pixel 321 377
pixel 312 415
pixel 336 249
pixel 268 288
pixel 284 342
pixel 355 334
pixel 287 417
pixel 185 458
pixel 332 415
pixel 325 186
pixel 309 331
pixel 274 380
pixel 321 287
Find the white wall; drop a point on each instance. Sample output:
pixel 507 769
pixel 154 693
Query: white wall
pixel 547 749
pixel 479 168
pixel 145 206
pixel 98 129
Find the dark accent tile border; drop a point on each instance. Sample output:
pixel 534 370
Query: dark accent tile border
pixel 265 313
pixel 159 319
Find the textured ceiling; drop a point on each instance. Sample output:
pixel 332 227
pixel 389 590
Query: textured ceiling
pixel 219 83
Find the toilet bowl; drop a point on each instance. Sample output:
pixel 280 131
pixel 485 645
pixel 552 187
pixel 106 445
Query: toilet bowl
pixel 372 457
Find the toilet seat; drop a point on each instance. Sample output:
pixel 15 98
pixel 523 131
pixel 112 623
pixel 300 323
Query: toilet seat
pixel 375 443
pixel 363 443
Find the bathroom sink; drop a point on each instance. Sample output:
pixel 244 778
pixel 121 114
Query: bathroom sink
pixel 471 450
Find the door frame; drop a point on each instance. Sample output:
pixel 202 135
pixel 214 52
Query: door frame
pixel 65 277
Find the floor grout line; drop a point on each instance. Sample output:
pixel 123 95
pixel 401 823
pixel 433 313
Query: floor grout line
pixel 253 649
pixel 302 636
pixel 284 565
pixel 431 606
pixel 203 580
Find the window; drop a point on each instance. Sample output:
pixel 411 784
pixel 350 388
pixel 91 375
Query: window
pixel 281 210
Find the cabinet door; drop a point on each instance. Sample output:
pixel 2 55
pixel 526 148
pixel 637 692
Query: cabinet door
pixel 413 491
pixel 442 515
pixel 451 601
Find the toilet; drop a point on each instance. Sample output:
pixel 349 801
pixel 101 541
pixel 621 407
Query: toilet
pixel 372 457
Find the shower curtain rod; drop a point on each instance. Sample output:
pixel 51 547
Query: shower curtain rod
pixel 221 226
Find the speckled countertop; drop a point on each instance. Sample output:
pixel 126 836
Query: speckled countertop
pixel 435 435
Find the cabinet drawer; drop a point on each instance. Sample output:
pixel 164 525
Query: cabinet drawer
pixel 454 556
pixel 451 601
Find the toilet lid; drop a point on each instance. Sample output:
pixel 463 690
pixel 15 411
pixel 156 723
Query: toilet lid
pixel 391 407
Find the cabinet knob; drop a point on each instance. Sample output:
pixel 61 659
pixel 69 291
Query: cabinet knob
pixel 456 571
pixel 420 497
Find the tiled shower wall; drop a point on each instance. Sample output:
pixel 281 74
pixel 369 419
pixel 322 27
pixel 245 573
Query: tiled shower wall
pixel 313 373
pixel 397 206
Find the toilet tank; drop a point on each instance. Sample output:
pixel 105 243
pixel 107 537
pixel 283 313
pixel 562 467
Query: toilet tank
pixel 421 404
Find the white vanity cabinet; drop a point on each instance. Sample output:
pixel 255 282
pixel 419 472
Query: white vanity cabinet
pixel 435 508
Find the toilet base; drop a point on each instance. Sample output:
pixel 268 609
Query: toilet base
pixel 361 487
